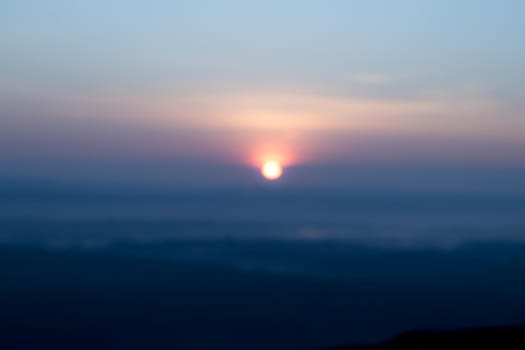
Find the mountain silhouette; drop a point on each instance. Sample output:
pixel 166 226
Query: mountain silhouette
pixel 501 338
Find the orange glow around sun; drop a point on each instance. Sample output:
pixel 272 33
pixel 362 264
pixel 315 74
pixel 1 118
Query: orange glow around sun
pixel 272 170
pixel 272 159
pixel 280 155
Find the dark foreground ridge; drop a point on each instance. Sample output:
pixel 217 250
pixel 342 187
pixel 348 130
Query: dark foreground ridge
pixel 512 338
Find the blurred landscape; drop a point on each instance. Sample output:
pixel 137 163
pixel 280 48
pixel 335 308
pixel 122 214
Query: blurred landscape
pixel 254 269
pixel 262 175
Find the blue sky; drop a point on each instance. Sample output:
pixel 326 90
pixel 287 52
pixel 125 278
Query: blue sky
pixel 232 82
pixel 154 43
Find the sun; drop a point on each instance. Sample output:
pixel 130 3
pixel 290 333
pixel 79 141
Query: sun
pixel 271 170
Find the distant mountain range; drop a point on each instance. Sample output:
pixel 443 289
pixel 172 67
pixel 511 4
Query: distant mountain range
pixel 151 296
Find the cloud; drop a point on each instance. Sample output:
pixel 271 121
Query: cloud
pixel 244 125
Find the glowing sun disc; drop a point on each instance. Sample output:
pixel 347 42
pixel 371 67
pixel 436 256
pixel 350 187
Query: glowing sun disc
pixel 271 170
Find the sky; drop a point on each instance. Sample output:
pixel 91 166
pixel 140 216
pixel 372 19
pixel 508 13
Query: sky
pixel 396 94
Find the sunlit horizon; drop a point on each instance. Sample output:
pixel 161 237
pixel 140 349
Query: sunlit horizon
pixel 179 86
